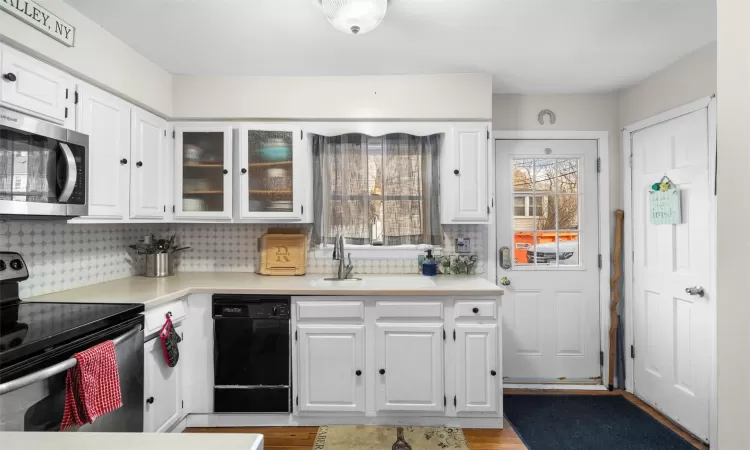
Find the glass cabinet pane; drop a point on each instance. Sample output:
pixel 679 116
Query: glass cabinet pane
pixel 269 164
pixel 202 171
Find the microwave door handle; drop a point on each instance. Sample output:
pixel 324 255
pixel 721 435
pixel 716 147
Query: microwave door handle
pixel 70 180
pixel 60 367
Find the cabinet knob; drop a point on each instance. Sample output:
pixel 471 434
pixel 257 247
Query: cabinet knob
pixel 123 161
pixel 139 164
pixel 10 76
pixel 493 373
pixel 243 170
pixel 225 171
pixel 455 172
pixel 150 400
pixel 381 371
pixel 359 372
pixel 475 310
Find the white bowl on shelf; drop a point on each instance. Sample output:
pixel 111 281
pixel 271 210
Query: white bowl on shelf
pixel 193 153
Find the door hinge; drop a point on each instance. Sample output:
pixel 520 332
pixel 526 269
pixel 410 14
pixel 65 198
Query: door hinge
pixel 75 97
pixel 165 133
pixel 631 160
pixel 598 165
pixel 632 351
pixel 300 133
pixel 455 402
pixel 173 208
pixel 66 112
pixel 182 404
pixel 444 334
pixel 600 261
pixel 301 209
pixel 488 210
pixel 454 335
pixel 445 401
pixel 165 208
pixel 488 135
pixel 296 400
pixel 66 93
pixel 295 335
pixel 601 358
pixel 173 134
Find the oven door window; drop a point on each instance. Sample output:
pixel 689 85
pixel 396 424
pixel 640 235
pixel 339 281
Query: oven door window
pixel 33 168
pixel 251 352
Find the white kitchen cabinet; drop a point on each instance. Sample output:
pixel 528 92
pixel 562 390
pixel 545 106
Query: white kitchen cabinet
pixel 149 173
pixel 275 173
pixel 33 87
pixel 331 368
pixel 203 171
pixel 409 366
pixel 477 371
pixel 465 186
pixel 162 388
pixel 106 120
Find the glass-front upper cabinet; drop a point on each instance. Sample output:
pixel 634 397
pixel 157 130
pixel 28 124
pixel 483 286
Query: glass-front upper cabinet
pixel 271 172
pixel 203 171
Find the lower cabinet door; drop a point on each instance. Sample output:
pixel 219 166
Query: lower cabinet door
pixel 409 369
pixel 331 368
pixel 161 388
pixel 477 374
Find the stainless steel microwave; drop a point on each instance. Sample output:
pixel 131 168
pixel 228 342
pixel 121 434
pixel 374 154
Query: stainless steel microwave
pixel 43 169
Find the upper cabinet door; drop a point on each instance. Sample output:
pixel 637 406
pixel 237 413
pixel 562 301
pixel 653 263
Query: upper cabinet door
pixel 409 369
pixel 271 172
pixel 203 171
pixel 466 174
pixel 106 120
pixel 477 371
pixel 148 172
pixel 331 368
pixel 33 87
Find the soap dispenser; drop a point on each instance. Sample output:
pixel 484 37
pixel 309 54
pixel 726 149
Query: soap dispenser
pixel 429 267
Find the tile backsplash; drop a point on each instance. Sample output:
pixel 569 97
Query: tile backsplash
pixel 66 256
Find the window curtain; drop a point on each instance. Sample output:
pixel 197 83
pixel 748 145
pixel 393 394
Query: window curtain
pixel 377 190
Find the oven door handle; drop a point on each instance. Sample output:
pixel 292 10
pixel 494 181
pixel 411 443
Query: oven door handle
pixel 60 367
pixel 71 178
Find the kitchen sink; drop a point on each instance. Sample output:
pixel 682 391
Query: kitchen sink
pixel 335 282
pixel 378 281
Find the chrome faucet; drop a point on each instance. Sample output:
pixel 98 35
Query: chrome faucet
pixel 338 255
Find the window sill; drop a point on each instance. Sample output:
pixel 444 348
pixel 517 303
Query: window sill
pixel 410 252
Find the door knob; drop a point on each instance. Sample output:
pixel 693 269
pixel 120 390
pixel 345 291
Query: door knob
pixel 225 171
pixel 359 372
pixel 150 400
pixel 123 161
pixel 139 164
pixel 455 172
pixel 243 170
pixel 381 371
pixel 10 76
pixel 493 373
pixel 475 310
pixel 696 290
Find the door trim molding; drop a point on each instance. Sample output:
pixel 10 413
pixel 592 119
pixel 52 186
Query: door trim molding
pixel 605 216
pixel 627 313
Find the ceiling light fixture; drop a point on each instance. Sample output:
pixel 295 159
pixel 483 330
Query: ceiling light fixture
pixel 355 16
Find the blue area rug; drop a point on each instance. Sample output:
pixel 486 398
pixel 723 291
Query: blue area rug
pixel 587 422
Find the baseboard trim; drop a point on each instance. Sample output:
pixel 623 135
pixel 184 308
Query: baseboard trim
pixel 280 420
pixel 555 387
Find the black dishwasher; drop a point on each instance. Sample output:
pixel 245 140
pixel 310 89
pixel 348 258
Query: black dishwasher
pixel 252 369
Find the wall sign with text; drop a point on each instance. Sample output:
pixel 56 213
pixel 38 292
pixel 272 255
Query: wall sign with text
pixel 41 19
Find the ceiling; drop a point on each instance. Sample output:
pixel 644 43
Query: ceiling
pixel 529 46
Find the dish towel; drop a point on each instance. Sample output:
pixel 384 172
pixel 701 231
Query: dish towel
pixel 92 386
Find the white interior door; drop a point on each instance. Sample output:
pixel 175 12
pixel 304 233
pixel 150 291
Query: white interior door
pixel 548 217
pixel 672 331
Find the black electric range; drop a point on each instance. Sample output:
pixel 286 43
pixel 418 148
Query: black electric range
pixel 37 334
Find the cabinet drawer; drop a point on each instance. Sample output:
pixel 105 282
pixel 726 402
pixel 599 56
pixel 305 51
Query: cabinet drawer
pixel 485 309
pixel 154 319
pixel 314 309
pixel 405 309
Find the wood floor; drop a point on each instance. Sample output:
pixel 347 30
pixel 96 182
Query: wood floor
pixel 302 438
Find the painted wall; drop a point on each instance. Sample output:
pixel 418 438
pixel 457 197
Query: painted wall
pixel 733 221
pixel 98 57
pixel 445 96
pixel 691 78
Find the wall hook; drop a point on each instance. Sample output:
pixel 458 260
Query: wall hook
pixel 547 112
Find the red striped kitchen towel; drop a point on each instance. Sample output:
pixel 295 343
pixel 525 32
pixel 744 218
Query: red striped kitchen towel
pixel 92 387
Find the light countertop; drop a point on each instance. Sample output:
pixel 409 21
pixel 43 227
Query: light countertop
pixel 129 441
pixel 156 291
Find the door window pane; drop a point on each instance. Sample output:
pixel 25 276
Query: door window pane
pixel 546 217
pixel 202 171
pixel 270 171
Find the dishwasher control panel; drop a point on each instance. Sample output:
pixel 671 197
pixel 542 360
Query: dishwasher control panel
pixel 249 307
